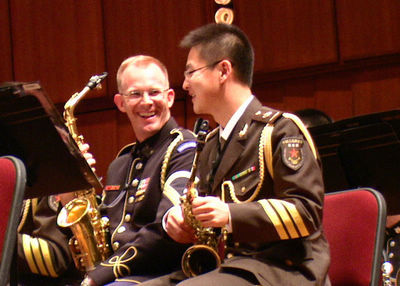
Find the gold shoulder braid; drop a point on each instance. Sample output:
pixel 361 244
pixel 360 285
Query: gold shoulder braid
pixel 168 155
pixel 264 151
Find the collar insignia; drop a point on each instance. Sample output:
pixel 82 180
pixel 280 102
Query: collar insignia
pixel 243 132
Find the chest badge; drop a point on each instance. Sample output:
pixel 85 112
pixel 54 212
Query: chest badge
pixel 292 152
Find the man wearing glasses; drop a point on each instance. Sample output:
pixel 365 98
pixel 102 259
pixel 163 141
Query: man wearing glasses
pixel 260 177
pixel 145 180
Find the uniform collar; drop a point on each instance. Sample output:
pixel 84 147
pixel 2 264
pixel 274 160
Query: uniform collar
pixel 146 147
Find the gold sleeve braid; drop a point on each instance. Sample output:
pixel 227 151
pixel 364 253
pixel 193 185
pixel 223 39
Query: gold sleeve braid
pixel 285 218
pixel 37 255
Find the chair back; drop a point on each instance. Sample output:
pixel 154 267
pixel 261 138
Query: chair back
pixel 354 224
pixel 12 189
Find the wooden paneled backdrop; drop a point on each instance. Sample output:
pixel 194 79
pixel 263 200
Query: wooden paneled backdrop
pixel 340 56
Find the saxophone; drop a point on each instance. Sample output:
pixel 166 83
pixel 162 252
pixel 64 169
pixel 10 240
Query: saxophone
pixel 90 242
pixel 203 256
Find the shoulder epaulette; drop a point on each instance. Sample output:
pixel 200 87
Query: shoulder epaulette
pixel 212 133
pixel 126 149
pixel 266 115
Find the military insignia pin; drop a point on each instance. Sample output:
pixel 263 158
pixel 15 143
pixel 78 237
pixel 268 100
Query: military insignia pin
pixel 292 152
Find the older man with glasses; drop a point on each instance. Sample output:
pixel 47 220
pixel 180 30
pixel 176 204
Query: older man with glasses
pixel 145 180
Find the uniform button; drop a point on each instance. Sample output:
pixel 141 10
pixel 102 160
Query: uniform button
pixel 115 245
pixel 131 199
pixel 135 183
pixel 392 243
pixel 121 229
pixel 127 218
pixel 139 166
pixel 243 189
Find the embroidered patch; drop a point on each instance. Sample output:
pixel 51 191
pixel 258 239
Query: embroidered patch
pixel 292 152
pixel 186 145
pixel 112 188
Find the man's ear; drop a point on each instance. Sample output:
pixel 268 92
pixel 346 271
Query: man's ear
pixel 119 102
pixel 225 67
pixel 170 97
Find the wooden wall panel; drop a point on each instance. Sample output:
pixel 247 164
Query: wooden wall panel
pixel 368 28
pixel 153 27
pixel 376 90
pixel 6 70
pixel 288 34
pixel 59 42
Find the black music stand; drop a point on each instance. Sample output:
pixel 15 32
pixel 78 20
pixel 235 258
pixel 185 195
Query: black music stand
pixel 32 129
pixel 362 151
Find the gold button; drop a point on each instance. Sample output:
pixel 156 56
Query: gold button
pixel 115 245
pixel 139 166
pixel 131 199
pixel 127 218
pixel 243 189
pixel 121 229
pixel 135 183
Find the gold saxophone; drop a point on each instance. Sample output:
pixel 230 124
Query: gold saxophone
pixel 204 255
pixel 90 242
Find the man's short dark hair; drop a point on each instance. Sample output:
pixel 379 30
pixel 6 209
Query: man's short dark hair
pixel 222 41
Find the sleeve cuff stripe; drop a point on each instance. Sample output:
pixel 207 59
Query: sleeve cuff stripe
pixel 274 219
pixel 283 214
pixel 26 244
pixel 38 257
pixel 44 247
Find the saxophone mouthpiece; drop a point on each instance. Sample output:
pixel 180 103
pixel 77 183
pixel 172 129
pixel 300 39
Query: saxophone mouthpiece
pixel 95 80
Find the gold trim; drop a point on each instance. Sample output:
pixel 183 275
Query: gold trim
pixel 27 204
pixel 26 245
pixel 274 219
pixel 168 155
pixel 294 213
pixel 172 194
pixel 38 256
pixel 287 221
pixel 303 129
pixel 44 246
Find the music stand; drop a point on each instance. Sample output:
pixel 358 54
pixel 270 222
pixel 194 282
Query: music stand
pixel 32 129
pixel 362 151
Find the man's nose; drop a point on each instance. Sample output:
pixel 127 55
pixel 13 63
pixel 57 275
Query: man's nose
pixel 185 84
pixel 146 98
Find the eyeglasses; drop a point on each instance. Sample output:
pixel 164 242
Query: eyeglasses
pixel 189 73
pixel 136 94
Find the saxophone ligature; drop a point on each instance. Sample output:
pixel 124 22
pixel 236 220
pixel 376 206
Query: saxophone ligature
pixel 203 256
pixel 90 242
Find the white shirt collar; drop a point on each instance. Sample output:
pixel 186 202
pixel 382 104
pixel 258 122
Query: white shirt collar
pixel 225 132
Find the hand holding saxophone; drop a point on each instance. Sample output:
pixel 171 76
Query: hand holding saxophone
pixel 210 211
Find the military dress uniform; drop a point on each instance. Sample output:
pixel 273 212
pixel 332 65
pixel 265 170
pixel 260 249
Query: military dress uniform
pixel 43 252
pixel 143 182
pixel 269 173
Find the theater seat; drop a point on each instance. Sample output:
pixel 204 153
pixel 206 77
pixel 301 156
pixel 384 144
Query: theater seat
pixel 12 189
pixel 354 224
